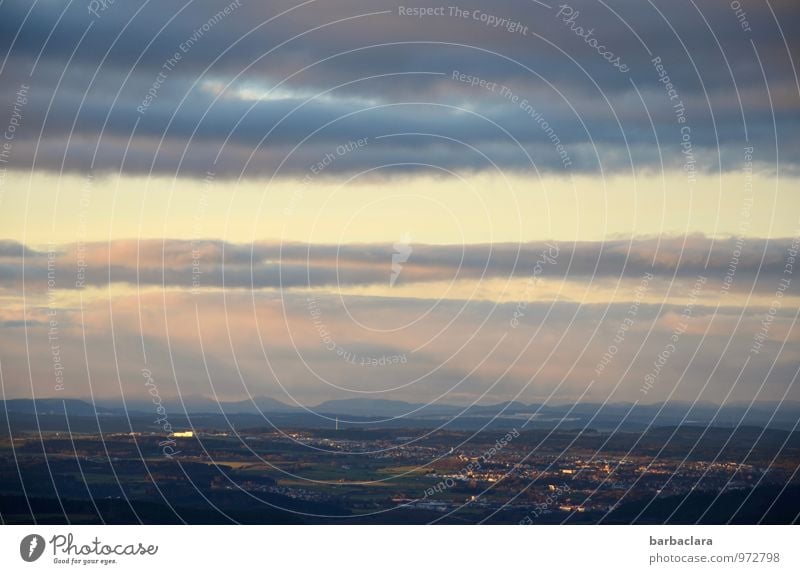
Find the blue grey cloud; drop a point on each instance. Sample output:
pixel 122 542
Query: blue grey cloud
pixel 751 263
pixel 337 74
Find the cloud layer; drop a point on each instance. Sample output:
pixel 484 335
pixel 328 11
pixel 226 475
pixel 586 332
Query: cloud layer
pixel 217 264
pixel 274 88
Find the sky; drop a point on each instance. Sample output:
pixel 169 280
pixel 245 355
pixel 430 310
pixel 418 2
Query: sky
pixel 472 203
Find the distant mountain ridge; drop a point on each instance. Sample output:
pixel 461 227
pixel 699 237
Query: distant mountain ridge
pixel 56 407
pixel 376 408
pixel 48 414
